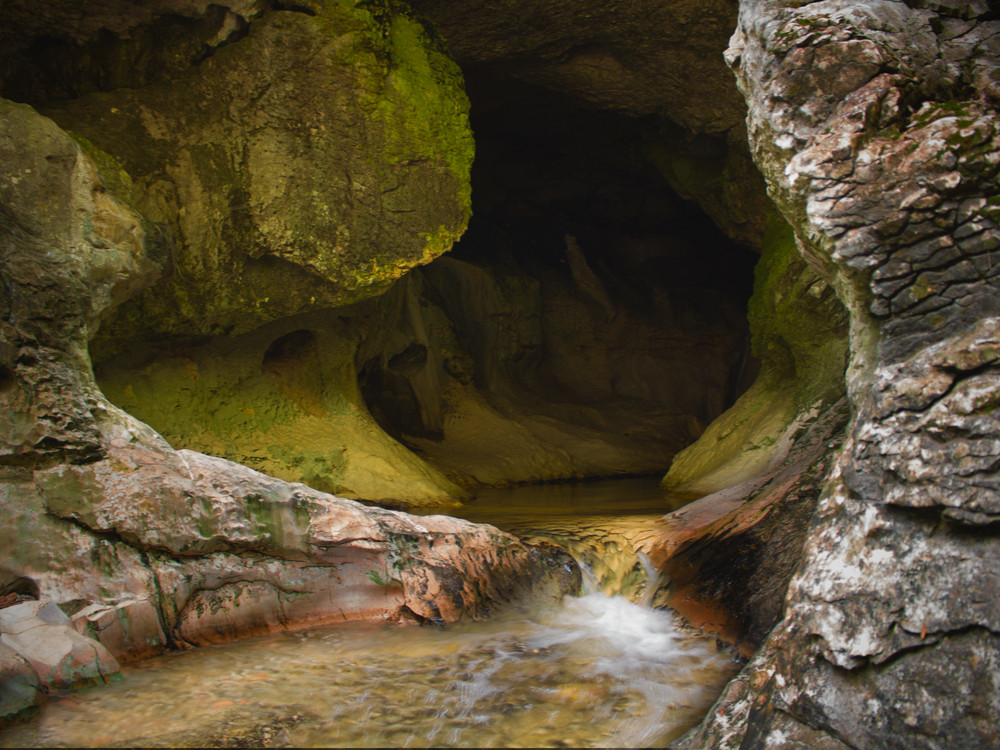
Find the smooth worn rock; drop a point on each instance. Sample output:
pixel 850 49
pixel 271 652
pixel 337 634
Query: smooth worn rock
pixel 283 399
pixel 875 125
pixel 798 331
pixel 730 555
pixel 130 629
pixel 308 163
pixel 43 635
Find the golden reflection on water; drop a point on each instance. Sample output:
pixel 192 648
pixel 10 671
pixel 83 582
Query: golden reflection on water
pixel 595 670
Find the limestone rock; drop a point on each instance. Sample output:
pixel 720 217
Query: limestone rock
pixel 799 334
pixel 282 399
pixel 43 635
pixel 876 128
pixel 97 509
pixel 531 378
pixel 220 259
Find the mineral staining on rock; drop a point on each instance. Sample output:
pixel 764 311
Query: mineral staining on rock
pixel 146 545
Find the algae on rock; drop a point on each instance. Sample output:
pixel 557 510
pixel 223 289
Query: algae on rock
pixel 284 400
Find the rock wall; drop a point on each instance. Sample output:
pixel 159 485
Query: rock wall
pixel 798 333
pixel 876 127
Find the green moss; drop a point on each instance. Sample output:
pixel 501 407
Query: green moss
pixel 425 103
pixel 799 332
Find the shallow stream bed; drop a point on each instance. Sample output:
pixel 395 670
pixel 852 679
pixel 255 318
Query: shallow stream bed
pixel 595 670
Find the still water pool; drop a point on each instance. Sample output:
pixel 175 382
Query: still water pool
pixel 596 670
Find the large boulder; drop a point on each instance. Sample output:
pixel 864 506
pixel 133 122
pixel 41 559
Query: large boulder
pixel 876 127
pixel 44 636
pixel 20 688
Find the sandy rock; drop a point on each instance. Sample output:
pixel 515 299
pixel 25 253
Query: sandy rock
pixel 130 630
pixel 44 636
pixel 97 509
pixel 731 555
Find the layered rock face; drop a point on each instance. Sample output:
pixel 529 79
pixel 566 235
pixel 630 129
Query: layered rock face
pixel 876 127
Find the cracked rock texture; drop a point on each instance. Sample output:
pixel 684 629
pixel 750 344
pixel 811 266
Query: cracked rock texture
pixel 146 546
pixel 876 127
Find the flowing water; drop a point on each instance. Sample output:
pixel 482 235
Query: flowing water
pixel 596 670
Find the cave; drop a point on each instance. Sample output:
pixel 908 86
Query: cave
pixel 291 291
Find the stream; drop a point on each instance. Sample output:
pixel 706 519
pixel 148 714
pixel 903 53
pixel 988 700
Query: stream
pixel 599 670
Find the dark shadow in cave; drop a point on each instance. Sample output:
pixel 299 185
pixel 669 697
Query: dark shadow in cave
pixel 585 291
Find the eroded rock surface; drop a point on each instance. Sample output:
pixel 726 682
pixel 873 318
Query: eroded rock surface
pixel 876 127
pixel 43 635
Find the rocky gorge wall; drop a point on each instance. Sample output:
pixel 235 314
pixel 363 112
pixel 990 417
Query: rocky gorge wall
pixel 226 212
pixel 145 547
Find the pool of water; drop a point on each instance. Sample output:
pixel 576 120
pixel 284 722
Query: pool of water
pixel 596 670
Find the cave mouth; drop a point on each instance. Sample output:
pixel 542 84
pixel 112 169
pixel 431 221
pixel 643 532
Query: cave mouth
pixel 596 309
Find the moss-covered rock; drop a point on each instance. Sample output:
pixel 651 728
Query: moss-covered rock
pixel 306 165
pixel 799 334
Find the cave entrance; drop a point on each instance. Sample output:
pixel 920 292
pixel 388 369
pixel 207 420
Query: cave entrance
pixel 590 323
